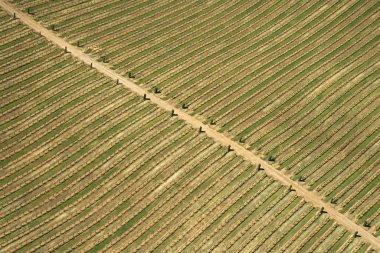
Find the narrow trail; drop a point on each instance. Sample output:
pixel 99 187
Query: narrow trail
pixel 270 170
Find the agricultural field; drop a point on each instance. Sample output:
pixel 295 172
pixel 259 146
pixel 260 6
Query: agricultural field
pixel 87 165
pixel 296 82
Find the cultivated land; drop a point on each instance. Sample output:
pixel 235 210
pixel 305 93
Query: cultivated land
pixel 188 194
pixel 295 81
pixel 87 165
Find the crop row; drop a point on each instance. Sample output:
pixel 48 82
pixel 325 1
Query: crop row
pixel 88 165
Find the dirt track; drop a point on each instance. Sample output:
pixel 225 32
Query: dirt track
pixel 309 196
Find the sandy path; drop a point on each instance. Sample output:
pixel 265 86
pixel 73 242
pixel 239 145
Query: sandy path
pixel 309 196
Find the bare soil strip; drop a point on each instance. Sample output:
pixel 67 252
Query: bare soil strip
pixel 309 196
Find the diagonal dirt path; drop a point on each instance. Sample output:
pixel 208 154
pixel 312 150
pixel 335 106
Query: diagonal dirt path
pixel 309 196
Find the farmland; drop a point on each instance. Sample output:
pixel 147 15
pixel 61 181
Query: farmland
pixel 296 82
pixel 90 164
pixel 85 162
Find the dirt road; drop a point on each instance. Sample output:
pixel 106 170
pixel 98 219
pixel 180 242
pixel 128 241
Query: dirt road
pixel 309 196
